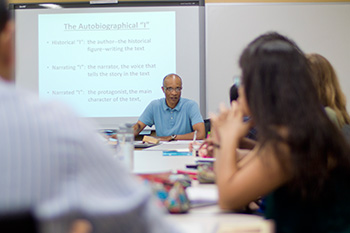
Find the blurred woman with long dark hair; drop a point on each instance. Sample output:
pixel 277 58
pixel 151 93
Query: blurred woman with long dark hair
pixel 301 162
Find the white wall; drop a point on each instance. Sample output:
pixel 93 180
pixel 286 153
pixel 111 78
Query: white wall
pixel 316 27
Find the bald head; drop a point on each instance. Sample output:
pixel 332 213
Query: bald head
pixel 171 77
pixel 172 86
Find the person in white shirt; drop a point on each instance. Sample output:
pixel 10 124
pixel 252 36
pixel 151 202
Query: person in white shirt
pixel 54 164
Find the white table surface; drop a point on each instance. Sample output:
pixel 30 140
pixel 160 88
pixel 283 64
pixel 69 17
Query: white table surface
pixel 200 219
pixel 154 161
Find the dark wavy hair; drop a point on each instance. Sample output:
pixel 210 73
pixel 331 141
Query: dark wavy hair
pixel 328 87
pixel 4 14
pixel 280 93
pixel 233 93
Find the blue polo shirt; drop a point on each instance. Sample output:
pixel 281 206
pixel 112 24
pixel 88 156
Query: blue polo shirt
pixel 167 121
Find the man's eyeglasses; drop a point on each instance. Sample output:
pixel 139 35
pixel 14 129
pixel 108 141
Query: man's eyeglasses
pixel 170 89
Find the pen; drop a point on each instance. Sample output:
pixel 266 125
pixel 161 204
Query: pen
pixel 195 146
pixel 186 172
pixel 190 166
pixel 192 175
pixel 194 136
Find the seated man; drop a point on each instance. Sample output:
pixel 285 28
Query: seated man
pixel 175 118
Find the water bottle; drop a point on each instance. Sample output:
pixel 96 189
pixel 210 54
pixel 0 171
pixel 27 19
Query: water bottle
pixel 125 146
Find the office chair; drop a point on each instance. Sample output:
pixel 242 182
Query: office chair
pixel 346 132
pixel 207 126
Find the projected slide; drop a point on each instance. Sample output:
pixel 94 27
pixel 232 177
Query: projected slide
pixel 106 64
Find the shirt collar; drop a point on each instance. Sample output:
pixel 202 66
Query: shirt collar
pixel 177 107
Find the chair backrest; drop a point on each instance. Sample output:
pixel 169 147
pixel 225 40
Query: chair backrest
pixel 18 222
pixel 207 126
pixel 346 131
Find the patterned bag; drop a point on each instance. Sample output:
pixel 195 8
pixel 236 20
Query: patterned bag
pixel 170 189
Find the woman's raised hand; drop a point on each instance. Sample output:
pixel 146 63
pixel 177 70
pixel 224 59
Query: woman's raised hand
pixel 228 124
